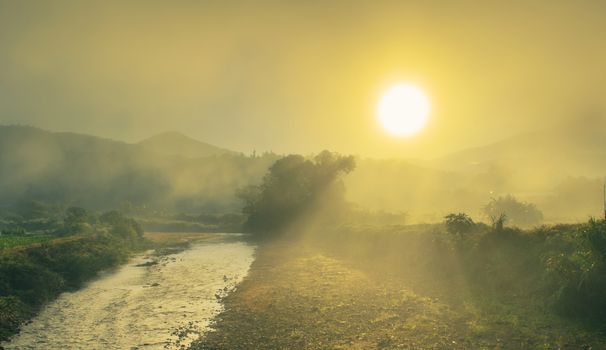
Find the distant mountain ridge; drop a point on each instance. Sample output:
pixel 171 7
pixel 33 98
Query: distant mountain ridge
pixel 576 148
pixel 171 171
pixel 173 143
pixel 94 172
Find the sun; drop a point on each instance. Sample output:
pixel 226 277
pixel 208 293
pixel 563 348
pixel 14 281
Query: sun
pixel 403 110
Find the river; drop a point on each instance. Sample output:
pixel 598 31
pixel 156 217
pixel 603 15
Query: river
pixel 149 303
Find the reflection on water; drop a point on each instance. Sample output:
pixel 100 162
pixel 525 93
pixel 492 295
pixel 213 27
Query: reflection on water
pixel 144 307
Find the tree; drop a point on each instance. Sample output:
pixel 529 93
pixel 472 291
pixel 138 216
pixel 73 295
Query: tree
pixel 75 219
pixel 122 226
pixel 458 224
pixel 498 222
pixel 294 186
pixel 75 215
pixel 517 213
pixel 32 209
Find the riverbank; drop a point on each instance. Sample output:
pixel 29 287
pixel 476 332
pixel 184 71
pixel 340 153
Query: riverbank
pixel 160 300
pixel 34 274
pixel 306 295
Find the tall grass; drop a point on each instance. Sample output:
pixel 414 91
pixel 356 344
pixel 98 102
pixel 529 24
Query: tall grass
pixel 9 241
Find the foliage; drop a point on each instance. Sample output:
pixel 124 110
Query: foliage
pixel 31 282
pixel 36 273
pixel 579 274
pixel 12 312
pixel 124 227
pixel 20 240
pixel 77 220
pixel 294 186
pixel 458 224
pixel 29 209
pixel 395 287
pixel 13 231
pixel 498 223
pixel 518 213
pixel 205 222
pixel 562 267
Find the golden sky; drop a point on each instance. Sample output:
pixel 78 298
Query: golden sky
pixel 300 76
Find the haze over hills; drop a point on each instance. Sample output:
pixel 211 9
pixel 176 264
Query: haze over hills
pixel 176 144
pixel 568 149
pixel 100 173
pixel 173 172
pixel 573 141
pixel 560 168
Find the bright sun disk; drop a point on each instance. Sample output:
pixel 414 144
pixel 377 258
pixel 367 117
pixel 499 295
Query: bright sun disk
pixel 403 110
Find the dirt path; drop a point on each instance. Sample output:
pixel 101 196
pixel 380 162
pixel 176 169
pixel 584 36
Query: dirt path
pixel 298 298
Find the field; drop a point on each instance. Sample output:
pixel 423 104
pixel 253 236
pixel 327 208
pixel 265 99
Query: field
pixel 10 241
pixel 382 290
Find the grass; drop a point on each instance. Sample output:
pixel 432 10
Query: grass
pixel 170 238
pixel 10 241
pixel 36 269
pixel 311 296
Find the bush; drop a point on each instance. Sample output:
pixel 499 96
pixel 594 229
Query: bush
pixel 12 313
pixel 79 260
pixel 518 213
pixel 122 227
pixel 36 274
pixel 13 231
pixel 30 282
pixel 75 220
pixel 578 275
pixel 458 224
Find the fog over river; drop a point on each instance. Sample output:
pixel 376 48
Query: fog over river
pixel 143 307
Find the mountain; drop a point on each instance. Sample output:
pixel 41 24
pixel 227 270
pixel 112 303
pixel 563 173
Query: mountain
pixel 100 173
pixel 559 168
pixel 177 144
pixel 538 159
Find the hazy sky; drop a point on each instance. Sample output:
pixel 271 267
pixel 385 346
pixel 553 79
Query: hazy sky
pixel 300 76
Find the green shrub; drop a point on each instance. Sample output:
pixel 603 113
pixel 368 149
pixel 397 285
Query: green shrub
pixel 13 231
pixel 518 213
pixel 458 224
pixel 578 275
pixel 30 282
pixel 36 274
pixel 12 313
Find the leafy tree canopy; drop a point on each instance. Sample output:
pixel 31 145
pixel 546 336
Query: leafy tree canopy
pixel 459 223
pixel 295 185
pixel 518 213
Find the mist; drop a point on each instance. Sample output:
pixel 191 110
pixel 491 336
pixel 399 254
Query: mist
pixel 302 175
pixel 296 78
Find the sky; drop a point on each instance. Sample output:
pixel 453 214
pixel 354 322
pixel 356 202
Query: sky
pixel 300 76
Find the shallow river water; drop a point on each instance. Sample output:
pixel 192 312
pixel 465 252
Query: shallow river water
pixel 143 307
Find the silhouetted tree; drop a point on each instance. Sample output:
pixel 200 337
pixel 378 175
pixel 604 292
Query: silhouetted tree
pixel 32 209
pixel 458 224
pixel 295 185
pixel 498 222
pixel 122 226
pixel 518 213
pixel 75 219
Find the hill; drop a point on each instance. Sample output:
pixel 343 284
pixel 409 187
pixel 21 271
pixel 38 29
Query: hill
pixel 177 144
pixel 537 160
pixel 559 169
pixel 99 173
